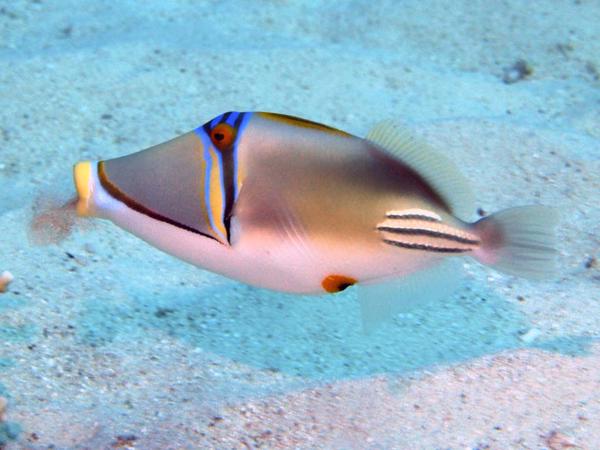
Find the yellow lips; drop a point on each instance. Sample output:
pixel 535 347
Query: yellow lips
pixel 82 176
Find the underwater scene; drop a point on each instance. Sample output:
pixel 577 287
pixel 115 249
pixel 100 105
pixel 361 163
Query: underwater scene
pixel 358 224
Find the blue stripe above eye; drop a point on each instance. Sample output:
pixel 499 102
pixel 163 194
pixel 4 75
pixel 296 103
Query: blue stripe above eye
pixel 232 118
pixel 216 121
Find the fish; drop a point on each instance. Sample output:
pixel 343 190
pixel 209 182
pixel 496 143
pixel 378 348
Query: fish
pixel 292 205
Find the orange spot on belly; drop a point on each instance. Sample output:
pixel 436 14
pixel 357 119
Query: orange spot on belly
pixel 337 283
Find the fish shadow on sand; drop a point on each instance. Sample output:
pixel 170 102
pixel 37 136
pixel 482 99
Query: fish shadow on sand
pixel 319 338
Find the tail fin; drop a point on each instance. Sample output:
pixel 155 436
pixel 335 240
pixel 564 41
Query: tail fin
pixel 519 241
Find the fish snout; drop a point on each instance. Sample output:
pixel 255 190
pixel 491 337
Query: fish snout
pixel 84 183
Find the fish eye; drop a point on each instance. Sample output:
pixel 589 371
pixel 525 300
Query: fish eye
pixel 222 136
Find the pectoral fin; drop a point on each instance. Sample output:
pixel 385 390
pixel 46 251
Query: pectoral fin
pixel 261 208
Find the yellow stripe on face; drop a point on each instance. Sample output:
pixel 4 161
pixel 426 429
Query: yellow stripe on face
pixel 299 122
pixel 216 194
pixel 240 175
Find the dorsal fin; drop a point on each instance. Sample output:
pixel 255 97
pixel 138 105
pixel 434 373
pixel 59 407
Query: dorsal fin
pixel 438 170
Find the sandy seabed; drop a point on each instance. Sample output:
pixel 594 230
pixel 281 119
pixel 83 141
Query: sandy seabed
pixel 108 343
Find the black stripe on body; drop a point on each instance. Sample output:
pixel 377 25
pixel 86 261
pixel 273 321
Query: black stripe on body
pixel 430 233
pixel 228 182
pixel 412 217
pixel 429 248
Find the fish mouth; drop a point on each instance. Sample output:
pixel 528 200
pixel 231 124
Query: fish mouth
pixel 83 179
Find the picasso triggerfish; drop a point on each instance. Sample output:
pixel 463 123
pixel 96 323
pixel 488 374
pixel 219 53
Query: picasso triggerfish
pixel 292 205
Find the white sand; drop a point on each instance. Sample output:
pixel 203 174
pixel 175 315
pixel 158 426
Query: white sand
pixel 120 345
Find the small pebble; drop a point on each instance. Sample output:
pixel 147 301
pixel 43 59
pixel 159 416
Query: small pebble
pixel 124 441
pixel 5 279
pixel 517 72
pixel 558 441
pixel 591 263
pixel 531 335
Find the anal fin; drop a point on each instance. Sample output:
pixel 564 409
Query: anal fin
pixel 381 302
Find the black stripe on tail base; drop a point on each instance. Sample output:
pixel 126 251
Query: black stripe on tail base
pixel 426 247
pixel 412 217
